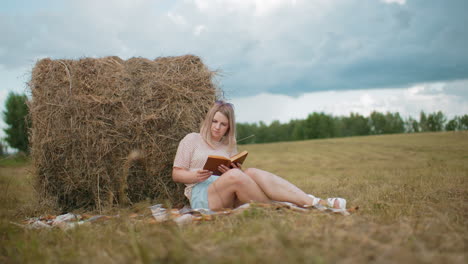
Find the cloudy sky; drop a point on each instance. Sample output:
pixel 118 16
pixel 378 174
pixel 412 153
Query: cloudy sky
pixel 280 59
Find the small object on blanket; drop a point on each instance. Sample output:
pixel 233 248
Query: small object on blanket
pixel 65 221
pixel 159 212
pixel 98 218
pixel 184 219
pixel 39 224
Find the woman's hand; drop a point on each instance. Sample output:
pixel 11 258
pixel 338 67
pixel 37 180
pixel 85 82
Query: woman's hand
pixel 236 166
pixel 188 177
pixel 223 168
pixel 202 175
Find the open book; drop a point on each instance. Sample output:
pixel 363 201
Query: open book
pixel 213 161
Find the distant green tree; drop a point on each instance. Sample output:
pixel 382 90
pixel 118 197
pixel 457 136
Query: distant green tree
pixel 394 123
pixel 275 132
pixel 319 125
pixel 15 116
pixel 352 125
pixel 411 125
pixel 423 122
pixel 2 149
pixel 463 122
pixel 436 121
pixel 246 133
pixel 388 123
pixel 453 124
pixel 289 130
pixel 378 123
pixel 279 132
pixel 356 125
pixel 327 125
pixel 338 126
pixel 298 129
pixel 262 133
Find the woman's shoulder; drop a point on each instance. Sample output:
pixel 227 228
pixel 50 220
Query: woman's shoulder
pixel 192 136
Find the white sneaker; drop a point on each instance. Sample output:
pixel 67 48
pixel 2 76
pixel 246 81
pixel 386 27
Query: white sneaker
pixel 315 201
pixel 341 202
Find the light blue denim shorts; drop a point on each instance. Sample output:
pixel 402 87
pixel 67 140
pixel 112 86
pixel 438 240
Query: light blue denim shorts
pixel 200 193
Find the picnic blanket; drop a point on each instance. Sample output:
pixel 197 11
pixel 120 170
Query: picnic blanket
pixel 159 214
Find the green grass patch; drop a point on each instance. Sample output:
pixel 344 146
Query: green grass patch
pixel 15 160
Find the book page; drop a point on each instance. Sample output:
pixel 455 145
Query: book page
pixel 240 157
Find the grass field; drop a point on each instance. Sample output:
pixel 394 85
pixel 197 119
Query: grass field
pixel 412 190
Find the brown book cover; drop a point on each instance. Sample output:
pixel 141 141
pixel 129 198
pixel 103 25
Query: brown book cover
pixel 213 162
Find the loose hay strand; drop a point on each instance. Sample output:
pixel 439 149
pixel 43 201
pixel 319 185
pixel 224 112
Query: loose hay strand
pixel 68 74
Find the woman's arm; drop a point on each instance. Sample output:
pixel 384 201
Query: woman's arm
pixel 186 176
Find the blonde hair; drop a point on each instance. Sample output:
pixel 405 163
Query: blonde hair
pixel 229 138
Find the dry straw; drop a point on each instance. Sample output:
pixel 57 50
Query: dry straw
pixel 105 131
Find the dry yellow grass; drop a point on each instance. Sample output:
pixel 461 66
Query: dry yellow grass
pixel 412 190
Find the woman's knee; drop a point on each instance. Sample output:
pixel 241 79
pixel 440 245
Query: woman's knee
pixel 251 171
pixel 255 174
pixel 236 177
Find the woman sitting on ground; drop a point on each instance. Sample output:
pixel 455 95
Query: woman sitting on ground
pixel 235 186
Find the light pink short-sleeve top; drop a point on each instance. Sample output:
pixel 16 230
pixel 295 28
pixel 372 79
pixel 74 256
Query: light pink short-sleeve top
pixel 193 152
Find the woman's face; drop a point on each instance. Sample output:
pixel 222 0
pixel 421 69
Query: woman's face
pixel 219 126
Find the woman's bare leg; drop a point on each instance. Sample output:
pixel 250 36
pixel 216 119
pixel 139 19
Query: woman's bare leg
pixel 279 189
pixel 233 186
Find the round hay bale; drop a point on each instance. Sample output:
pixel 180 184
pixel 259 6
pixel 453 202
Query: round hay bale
pixel 105 131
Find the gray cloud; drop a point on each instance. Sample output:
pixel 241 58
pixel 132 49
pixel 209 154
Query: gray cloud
pixel 286 47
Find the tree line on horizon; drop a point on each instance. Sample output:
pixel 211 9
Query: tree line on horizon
pixel 315 126
pixel 321 125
